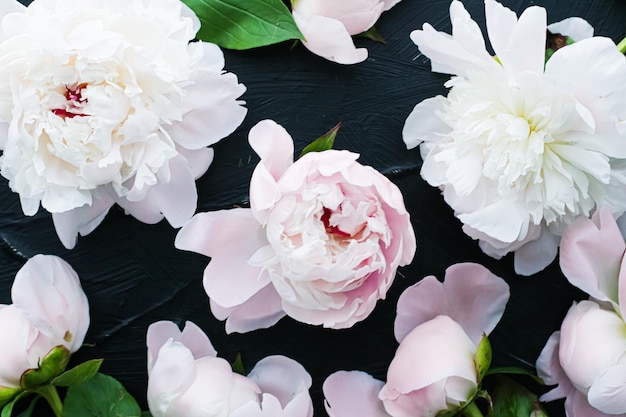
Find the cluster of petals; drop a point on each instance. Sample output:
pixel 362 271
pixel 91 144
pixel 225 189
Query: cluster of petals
pixel 439 327
pixel 521 147
pixel 49 310
pixel 187 379
pixel 587 357
pixel 107 101
pixel 321 242
pixel 328 26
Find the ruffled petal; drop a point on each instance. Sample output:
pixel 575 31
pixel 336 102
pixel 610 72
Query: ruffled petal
pixel 353 394
pixel 423 124
pixel 574 27
pixel 230 238
pixel 282 377
pixel 262 310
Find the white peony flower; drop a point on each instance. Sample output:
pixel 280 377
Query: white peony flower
pixel 521 147
pixel 105 102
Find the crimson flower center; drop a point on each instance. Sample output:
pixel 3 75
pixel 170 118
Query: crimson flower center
pixel 74 103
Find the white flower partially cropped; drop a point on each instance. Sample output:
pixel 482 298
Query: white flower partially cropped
pixel 328 26
pixel 106 101
pixel 521 147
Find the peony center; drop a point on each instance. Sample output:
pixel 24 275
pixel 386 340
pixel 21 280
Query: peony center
pixel 74 102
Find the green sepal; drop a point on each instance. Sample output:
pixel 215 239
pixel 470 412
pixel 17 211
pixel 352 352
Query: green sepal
pixel 323 143
pixel 52 365
pixel 237 366
pixel 482 358
pixel 101 396
pixel 7 394
pixel 373 34
pixel 237 24
pixel 79 374
pixel 511 399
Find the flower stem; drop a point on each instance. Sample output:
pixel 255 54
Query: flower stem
pixel 622 46
pixel 471 410
pixel 51 395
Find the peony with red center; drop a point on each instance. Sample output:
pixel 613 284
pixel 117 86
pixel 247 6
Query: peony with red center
pixel 321 242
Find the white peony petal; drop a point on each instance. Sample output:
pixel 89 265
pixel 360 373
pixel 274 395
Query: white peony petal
pixel 574 27
pixel 608 392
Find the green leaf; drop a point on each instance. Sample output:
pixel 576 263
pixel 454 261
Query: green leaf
pixel 52 365
pixel 101 396
pixel 8 408
pixel 483 356
pixel 511 399
pixel 7 394
pixel 146 414
pixel 373 34
pixel 237 366
pixel 244 24
pixel 79 374
pixel 31 407
pixel 323 143
pixel 512 370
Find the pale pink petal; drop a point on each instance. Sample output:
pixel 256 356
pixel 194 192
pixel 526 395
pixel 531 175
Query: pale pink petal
pixel 356 15
pixel 230 238
pixel 444 350
pixel 470 295
pixel 83 220
pixel 281 377
pixel 197 341
pixel 549 369
pixel 353 394
pixel 199 159
pixel 520 43
pixel 426 401
pixel 172 374
pixel 14 350
pixel 274 146
pixel 215 112
pixel 608 391
pixel 389 4
pixel 591 255
pixel 329 39
pixel 574 27
pixel 47 290
pixel 576 405
pixel 261 311
pixel 537 254
pixel 423 124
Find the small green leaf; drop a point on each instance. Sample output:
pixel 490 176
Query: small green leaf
pixel 8 408
pixel 323 143
pixel 79 374
pixel 511 399
pixel 238 366
pixel 52 365
pixel 512 370
pixel 482 359
pixel 7 394
pixel 373 34
pixel 237 24
pixel 101 396
pixel 31 407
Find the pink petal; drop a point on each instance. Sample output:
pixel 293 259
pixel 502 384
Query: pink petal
pixel 329 39
pixel 549 369
pixel 576 405
pixel 536 255
pixel 591 255
pixel 608 392
pixel 281 377
pixel 356 15
pixel 261 311
pixel 230 238
pixel 353 394
pixel 199 159
pixel 274 146
pixel 389 4
pixel 22 350
pixel 470 295
pixel 47 290
pixel 83 220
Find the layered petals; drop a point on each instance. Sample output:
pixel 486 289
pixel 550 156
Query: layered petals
pixel 321 242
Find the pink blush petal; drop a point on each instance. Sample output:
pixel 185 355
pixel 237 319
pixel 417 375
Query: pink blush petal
pixel 428 401
pixel 608 392
pixel 576 405
pixel 230 238
pixel 197 341
pixel 261 311
pixel 536 255
pixel 274 146
pixel 549 369
pixel 199 159
pixel 353 394
pixel 281 377
pixel 591 255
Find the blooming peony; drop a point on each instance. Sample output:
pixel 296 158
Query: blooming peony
pixel 439 327
pixel 187 379
pixel 49 310
pixel 328 25
pixel 587 357
pixel 520 147
pixel 106 101
pixel 321 242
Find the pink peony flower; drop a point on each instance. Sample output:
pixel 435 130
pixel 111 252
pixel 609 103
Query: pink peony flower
pixel 587 357
pixel 49 310
pixel 439 326
pixel 521 147
pixel 321 242
pixel 187 379
pixel 328 26
pixel 94 112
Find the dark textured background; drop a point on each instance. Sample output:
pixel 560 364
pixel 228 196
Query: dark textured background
pixel 133 275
